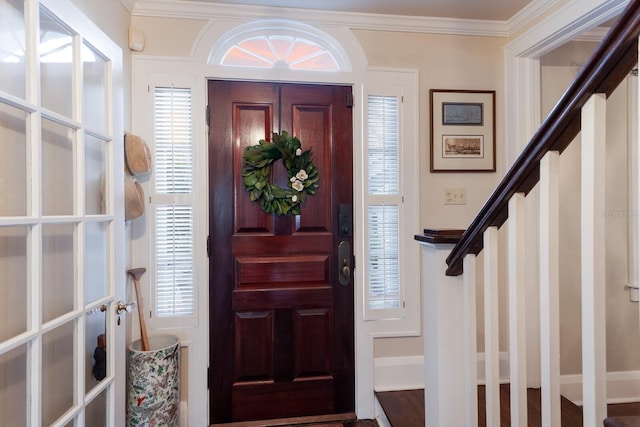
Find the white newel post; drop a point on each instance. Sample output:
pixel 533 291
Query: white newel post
pixel 444 332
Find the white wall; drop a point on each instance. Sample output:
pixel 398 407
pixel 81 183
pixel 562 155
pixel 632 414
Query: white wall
pixel 623 340
pixel 444 62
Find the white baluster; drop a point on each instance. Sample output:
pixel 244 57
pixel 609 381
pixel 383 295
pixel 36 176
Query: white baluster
pixel 470 342
pixel 517 310
pixel 491 327
pixel 633 280
pixel 549 290
pixel 594 393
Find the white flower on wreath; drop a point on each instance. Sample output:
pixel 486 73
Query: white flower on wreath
pixel 298 186
pixel 293 179
pixel 302 175
pixel 299 152
pixel 294 198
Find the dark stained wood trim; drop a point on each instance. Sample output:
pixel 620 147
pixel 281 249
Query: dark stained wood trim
pixel 350 416
pixel 612 61
pixel 439 236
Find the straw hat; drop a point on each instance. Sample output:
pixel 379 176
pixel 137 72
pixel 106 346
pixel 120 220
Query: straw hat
pixel 133 198
pixel 136 154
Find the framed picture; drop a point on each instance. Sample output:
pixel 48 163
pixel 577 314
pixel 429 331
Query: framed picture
pixel 463 124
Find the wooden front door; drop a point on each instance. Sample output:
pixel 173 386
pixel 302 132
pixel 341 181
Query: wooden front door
pixel 281 302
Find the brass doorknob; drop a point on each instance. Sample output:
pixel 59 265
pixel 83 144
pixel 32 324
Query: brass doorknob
pixel 346 271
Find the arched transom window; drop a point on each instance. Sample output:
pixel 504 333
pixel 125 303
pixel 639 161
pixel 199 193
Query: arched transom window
pixel 279 45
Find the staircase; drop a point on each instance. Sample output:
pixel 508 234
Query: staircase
pixel 450 289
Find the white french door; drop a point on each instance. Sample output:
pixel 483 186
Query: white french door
pixel 61 218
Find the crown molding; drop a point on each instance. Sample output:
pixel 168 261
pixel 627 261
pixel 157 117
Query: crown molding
pixel 365 21
pixel 193 9
pixel 529 13
pixel 593 35
pixel 129 5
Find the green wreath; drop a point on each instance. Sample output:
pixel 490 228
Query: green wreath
pixel 302 174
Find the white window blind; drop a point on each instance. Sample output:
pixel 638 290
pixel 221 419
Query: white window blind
pixel 384 271
pixel 384 205
pixel 382 142
pixel 173 142
pixel 174 268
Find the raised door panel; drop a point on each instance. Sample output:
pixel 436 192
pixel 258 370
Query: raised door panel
pixel 312 125
pixel 270 271
pixel 251 122
pixel 254 346
pixel 313 342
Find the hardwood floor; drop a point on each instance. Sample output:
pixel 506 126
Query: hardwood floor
pixel 403 408
pixel 406 408
pixel 340 420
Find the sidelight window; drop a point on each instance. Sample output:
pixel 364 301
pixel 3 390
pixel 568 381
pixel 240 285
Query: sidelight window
pixel 173 203
pixel 391 271
pixel 385 291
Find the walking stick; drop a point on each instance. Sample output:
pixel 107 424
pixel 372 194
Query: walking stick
pixel 136 273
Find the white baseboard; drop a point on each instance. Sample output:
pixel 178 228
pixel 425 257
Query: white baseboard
pixel 407 373
pixel 503 368
pixel 381 417
pixel 622 387
pixel 398 373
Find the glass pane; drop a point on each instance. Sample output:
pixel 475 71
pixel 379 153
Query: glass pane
pixel 303 49
pixel 13 162
pixel 12 57
pixel 57 169
pixel 13 386
pixel 94 175
pixel 56 65
pixel 96 349
pixel 280 51
pixel 321 62
pixel 281 45
pixel 94 78
pixel 384 272
pixel 259 46
pixel 96 275
pixel 174 261
pixel 96 411
pixel 13 276
pixel 173 140
pixel 57 372
pixel 58 270
pixel 383 148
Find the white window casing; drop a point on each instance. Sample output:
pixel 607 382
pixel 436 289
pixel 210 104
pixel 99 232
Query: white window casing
pixel 391 204
pixel 171 208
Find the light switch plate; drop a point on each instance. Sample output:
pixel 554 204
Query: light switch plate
pixel 455 196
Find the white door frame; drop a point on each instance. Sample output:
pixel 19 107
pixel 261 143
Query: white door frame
pixel 112 221
pixel 198 70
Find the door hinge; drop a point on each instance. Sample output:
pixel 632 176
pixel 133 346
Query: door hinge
pixel 207 116
pixel 208 378
pixel 208 246
pixel 349 100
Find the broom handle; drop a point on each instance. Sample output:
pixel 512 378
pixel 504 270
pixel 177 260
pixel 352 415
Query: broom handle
pixel 143 325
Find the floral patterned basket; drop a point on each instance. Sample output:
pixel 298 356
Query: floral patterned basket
pixel 153 394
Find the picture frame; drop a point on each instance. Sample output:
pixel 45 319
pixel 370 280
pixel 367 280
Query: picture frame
pixel 462 130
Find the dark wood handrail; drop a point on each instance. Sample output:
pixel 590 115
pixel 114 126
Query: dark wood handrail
pixel 612 61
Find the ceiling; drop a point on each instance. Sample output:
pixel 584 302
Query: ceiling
pixel 486 10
